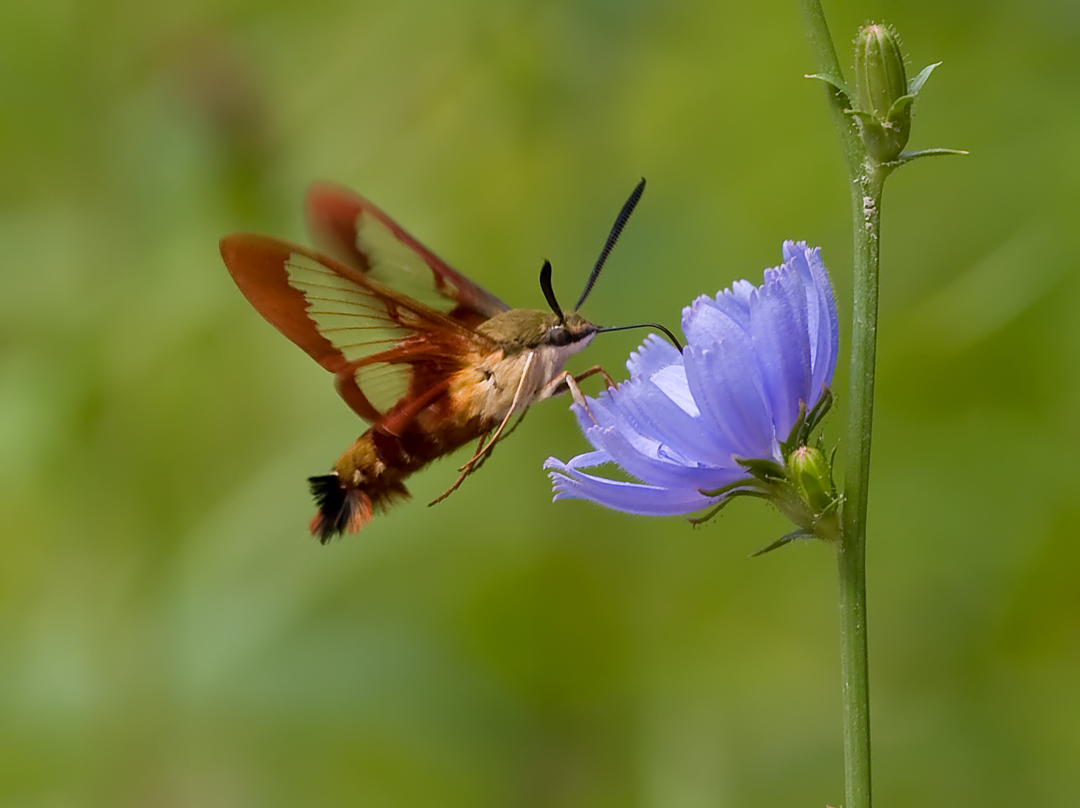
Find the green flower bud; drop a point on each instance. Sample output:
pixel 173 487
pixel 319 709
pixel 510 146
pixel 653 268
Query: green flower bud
pixel 880 78
pixel 884 113
pixel 809 472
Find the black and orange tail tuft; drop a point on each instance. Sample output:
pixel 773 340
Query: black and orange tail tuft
pixel 344 508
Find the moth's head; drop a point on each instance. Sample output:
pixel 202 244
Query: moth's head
pixel 570 330
pixel 519 329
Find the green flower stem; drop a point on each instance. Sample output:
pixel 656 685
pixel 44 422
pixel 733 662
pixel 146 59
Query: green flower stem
pixel 851 554
pixel 866 180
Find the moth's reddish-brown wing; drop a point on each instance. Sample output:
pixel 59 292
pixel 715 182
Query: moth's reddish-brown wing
pixel 355 232
pixel 384 348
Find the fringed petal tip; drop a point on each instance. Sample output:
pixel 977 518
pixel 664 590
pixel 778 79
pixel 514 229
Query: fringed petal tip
pixel 560 487
pixel 696 305
pixel 654 354
pixel 587 460
pixel 554 463
pixel 792 248
pixel 734 301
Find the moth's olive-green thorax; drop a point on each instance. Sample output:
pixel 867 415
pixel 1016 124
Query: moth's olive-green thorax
pixel 527 329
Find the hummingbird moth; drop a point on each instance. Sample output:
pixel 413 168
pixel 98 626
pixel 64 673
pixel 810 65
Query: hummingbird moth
pixel 430 359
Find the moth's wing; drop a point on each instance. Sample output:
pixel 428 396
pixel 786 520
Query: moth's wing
pixel 386 350
pixel 352 230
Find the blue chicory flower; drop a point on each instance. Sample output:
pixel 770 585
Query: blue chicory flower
pixel 759 360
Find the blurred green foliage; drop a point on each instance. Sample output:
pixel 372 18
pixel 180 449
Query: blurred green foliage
pixel 169 635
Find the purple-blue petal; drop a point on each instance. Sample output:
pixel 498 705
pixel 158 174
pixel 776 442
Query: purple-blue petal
pixel 644 500
pixel 778 324
pixel 828 337
pixel 733 302
pixel 796 257
pixel 603 410
pixel 725 382
pixel 705 323
pixel 653 354
pixel 652 404
pixel 646 463
pixel 680 439
pixel 792 249
pixel 587 460
pixel 821 314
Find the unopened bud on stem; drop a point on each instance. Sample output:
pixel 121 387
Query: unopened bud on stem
pixel 884 113
pixel 809 473
pixel 880 78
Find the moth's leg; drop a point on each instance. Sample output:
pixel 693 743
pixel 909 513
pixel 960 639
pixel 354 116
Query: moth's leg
pixel 517 423
pixel 483 451
pixel 566 381
pixel 560 385
pixel 465 472
pixel 477 461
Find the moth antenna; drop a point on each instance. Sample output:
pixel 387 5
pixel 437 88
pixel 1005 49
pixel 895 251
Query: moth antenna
pixel 549 293
pixel 613 236
pixel 657 326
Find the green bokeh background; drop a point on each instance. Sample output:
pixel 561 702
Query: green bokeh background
pixel 169 635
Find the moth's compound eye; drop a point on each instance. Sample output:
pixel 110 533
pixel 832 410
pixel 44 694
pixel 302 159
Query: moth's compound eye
pixel 558 336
